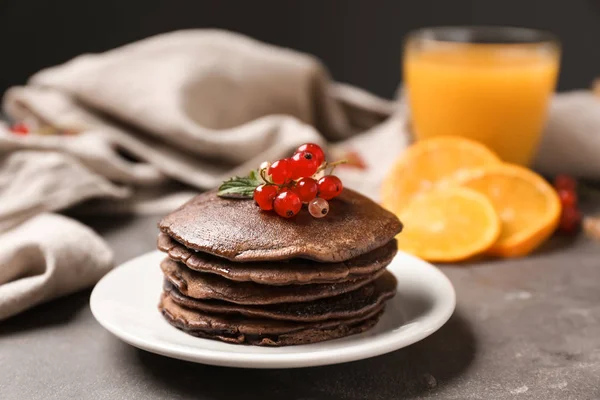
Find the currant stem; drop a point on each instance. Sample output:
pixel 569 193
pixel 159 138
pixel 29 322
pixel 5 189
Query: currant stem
pixel 332 165
pixel 264 176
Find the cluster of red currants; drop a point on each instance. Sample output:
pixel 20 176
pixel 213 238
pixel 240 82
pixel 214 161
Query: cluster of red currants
pixel 570 218
pixel 290 183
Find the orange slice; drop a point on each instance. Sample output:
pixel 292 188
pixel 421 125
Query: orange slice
pixel 527 205
pixel 432 163
pixel 448 225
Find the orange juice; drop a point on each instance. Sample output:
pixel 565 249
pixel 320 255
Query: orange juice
pixel 497 94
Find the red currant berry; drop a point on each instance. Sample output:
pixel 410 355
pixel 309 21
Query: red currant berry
pixel 568 198
pixel 287 204
pixel 280 171
pixel 303 164
pixel 330 186
pixel 20 128
pixel 264 196
pixel 566 182
pixel 315 150
pixel 570 220
pixel 306 189
pixel 283 190
pixel 318 207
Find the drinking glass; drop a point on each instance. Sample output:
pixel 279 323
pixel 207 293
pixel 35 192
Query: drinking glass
pixel 490 84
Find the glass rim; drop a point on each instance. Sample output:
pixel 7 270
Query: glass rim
pixel 484 34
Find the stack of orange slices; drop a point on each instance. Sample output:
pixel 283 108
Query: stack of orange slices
pixel 457 199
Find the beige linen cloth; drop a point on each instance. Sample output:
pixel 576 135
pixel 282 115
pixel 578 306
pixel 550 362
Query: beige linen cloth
pixel 193 107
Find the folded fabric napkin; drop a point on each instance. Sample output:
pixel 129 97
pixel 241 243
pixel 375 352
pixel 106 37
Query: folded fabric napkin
pixel 46 257
pixel 193 107
pixel 571 141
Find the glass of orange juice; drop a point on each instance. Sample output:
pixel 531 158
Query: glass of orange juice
pixel 491 84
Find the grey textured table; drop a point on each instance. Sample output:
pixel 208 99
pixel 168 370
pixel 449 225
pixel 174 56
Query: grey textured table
pixel 525 329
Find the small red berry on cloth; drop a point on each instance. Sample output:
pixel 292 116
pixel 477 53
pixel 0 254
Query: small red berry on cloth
pixel 355 160
pixel 19 128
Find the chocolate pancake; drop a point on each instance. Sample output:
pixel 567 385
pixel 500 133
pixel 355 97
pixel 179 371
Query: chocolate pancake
pixel 210 286
pixel 353 304
pixel 297 271
pixel 262 332
pixel 239 231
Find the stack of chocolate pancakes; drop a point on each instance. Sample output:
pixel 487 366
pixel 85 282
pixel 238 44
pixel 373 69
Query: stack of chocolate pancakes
pixel 241 275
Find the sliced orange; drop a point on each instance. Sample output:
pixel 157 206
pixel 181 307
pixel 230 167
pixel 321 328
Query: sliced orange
pixel 432 163
pixel 448 225
pixel 527 205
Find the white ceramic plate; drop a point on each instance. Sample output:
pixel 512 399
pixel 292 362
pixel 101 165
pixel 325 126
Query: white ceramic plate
pixel 125 302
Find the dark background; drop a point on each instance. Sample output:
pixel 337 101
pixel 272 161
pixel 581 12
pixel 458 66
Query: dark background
pixel 359 40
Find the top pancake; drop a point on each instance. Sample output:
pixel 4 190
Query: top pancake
pixel 239 231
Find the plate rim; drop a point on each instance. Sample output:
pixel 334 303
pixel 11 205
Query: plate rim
pixel 387 342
